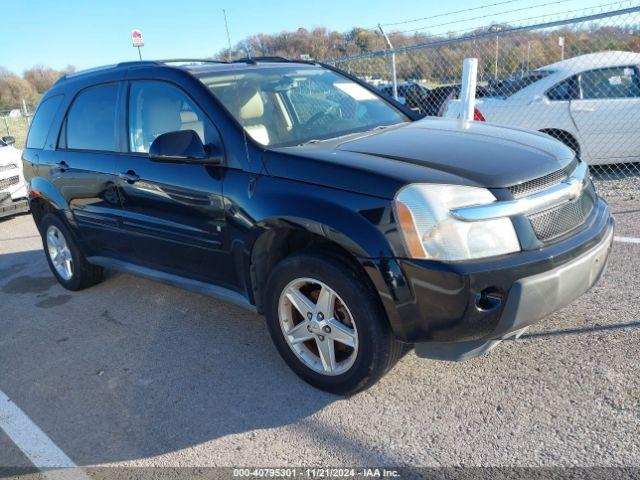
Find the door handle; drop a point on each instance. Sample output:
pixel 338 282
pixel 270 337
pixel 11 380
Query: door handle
pixel 129 176
pixel 584 109
pixel 62 166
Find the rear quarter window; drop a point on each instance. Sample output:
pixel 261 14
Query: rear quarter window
pixel 42 121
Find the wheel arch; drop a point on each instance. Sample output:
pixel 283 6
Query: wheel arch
pixel 280 241
pixel 564 136
pixel 45 198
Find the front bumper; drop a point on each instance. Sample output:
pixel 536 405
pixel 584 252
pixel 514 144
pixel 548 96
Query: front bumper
pixel 10 207
pixel 531 299
pixel 460 310
pixel 13 199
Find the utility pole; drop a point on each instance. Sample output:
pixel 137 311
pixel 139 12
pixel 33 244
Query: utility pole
pixel 561 43
pixel 226 26
pixel 394 77
pixel 496 28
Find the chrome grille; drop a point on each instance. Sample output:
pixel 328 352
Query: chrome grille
pixel 559 220
pixel 540 184
pixel 8 166
pixel 7 182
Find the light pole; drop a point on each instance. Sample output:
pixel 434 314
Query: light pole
pixel 394 75
pixel 496 28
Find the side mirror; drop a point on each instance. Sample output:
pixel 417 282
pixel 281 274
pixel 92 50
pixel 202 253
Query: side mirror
pixel 183 146
pixel 9 140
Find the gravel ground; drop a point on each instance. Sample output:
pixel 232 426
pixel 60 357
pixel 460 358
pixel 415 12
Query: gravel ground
pixel 132 372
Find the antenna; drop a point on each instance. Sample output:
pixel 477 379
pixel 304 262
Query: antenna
pixel 226 26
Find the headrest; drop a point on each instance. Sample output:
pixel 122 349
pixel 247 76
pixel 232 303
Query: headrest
pixel 188 117
pixel 250 103
pixel 162 115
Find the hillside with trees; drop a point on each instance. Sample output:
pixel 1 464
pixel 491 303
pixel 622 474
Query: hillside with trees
pixel 28 87
pixel 519 52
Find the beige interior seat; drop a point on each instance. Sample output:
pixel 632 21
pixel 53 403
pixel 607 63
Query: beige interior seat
pixel 251 116
pixel 190 121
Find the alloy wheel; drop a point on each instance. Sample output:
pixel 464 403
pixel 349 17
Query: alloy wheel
pixel 59 252
pixel 317 326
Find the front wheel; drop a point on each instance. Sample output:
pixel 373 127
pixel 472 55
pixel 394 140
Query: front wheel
pixel 328 324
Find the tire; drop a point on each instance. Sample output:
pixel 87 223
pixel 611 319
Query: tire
pixel 78 274
pixel 357 307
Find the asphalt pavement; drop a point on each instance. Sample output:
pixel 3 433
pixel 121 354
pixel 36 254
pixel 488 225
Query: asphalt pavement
pixel 133 372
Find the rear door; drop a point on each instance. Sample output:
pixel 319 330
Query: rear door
pixel 82 167
pixel 173 213
pixel 607 114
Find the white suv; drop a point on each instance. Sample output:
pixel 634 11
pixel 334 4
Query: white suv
pixel 13 190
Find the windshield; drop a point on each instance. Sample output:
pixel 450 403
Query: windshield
pixel 506 88
pixel 287 105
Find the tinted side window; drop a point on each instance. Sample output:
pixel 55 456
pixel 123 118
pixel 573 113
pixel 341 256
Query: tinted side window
pixel 565 90
pixel 42 122
pixel 156 108
pixel 91 122
pixel 616 82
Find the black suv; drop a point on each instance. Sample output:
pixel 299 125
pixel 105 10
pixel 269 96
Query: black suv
pixel 298 191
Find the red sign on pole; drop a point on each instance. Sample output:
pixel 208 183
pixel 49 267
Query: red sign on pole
pixel 136 38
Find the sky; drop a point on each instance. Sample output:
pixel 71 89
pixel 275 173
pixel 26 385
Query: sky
pixel 88 33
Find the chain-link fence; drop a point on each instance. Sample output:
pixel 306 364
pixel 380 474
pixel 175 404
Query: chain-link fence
pixel 575 78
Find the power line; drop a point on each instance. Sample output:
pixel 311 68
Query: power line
pixel 583 9
pixel 481 17
pixel 450 13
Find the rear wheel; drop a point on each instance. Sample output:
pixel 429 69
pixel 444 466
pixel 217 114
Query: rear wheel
pixel 66 261
pixel 328 324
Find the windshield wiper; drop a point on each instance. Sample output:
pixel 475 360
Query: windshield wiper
pixel 316 140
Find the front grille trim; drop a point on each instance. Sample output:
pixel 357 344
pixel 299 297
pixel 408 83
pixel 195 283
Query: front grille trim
pixel 9 182
pixel 543 183
pixel 8 166
pixel 561 220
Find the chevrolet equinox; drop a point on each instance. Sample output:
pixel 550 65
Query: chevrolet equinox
pixel 299 192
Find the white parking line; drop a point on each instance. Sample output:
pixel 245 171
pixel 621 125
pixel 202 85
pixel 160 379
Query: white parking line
pixel 35 444
pixel 627 239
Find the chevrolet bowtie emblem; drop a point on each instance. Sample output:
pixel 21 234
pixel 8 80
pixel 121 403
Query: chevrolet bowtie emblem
pixel 576 188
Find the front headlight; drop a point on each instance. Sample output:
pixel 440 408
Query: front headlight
pixel 423 212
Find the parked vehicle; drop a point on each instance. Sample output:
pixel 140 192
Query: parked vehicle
pixel 439 97
pixel 411 94
pixel 13 191
pixel 591 103
pixel 299 192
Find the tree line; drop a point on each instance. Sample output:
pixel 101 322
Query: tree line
pixel 28 87
pixel 517 53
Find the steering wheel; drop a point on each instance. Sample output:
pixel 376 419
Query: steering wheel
pixel 321 114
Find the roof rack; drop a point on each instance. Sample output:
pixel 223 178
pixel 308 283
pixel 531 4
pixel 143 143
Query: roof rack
pixel 267 59
pixel 193 60
pixel 134 63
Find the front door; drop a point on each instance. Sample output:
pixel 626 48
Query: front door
pixel 172 213
pixel 607 114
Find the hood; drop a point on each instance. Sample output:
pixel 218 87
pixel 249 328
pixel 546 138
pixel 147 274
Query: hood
pixel 9 154
pixel 426 151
